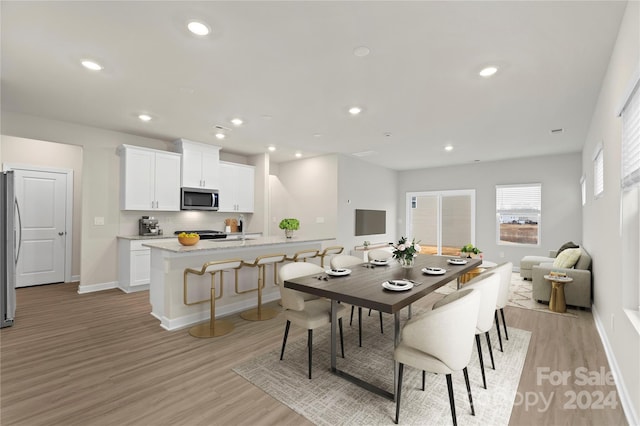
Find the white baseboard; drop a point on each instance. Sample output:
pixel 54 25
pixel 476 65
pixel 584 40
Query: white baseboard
pixel 222 311
pixel 75 278
pixel 627 405
pixel 90 288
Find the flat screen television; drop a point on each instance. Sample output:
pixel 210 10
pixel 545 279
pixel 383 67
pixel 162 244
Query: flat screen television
pixel 370 222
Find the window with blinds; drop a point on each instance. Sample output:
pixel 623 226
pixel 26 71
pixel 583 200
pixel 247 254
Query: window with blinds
pixel 598 173
pixel 631 140
pixel 518 213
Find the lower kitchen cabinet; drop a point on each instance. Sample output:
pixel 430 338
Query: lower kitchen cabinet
pixel 134 264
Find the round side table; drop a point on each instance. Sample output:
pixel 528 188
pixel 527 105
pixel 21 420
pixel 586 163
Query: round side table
pixel 556 301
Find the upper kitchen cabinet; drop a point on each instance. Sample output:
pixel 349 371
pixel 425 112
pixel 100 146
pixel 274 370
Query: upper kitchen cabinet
pixel 237 187
pixel 200 164
pixel 149 179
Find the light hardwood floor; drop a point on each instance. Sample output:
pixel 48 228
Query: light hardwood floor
pixel 102 359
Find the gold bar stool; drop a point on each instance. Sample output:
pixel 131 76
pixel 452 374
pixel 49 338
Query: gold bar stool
pixel 329 251
pixel 259 313
pixel 215 327
pixel 303 255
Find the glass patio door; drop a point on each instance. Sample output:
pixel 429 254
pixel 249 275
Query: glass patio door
pixel 443 221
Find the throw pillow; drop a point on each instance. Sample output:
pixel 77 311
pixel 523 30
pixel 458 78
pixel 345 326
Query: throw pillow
pixel 568 258
pixel 569 245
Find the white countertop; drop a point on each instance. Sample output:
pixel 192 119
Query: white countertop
pixel 250 242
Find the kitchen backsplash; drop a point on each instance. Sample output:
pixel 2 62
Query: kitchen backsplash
pixel 170 222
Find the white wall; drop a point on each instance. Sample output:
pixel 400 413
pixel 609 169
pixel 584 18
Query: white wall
pixel 601 230
pixel 362 185
pixel 561 205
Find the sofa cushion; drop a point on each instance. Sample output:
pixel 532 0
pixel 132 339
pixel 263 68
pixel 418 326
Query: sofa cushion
pixel 568 258
pixel 569 245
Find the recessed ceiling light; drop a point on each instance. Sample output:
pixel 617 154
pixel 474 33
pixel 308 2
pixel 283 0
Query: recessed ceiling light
pixel 198 28
pixel 317 135
pixel 91 65
pixel 488 71
pixel 236 121
pixel 361 51
pixel 355 110
pixel 298 154
pixel 448 148
pixel 220 135
pixel 144 117
pixel 272 148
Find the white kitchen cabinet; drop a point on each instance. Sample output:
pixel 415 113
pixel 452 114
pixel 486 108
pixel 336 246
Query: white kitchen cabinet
pixel 200 164
pixel 134 272
pixel 237 187
pixel 149 179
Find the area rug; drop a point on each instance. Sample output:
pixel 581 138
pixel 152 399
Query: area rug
pixel 331 400
pixel 520 296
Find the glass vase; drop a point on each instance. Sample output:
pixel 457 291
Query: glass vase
pixel 406 262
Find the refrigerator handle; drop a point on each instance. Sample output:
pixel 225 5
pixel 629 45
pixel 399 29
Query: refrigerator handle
pixel 20 228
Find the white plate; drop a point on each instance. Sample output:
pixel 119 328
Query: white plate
pixel 338 272
pixel 434 271
pixel 379 262
pixel 457 261
pixel 400 285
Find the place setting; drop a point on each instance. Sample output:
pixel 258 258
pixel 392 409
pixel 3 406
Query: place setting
pixel 398 285
pixel 434 271
pixel 457 261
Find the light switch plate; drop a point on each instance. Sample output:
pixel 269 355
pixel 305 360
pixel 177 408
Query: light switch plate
pixel 98 221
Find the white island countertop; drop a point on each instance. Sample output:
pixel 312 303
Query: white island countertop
pixel 225 244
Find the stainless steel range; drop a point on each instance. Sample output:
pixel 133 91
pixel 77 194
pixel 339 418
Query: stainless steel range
pixel 206 234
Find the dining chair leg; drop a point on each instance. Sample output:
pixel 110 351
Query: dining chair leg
pixel 284 340
pixel 466 381
pixel 498 329
pixel 381 329
pixel 369 312
pixel 359 326
pixel 341 336
pixel 310 345
pixel 399 391
pixel 506 334
pixel 479 346
pixel 493 364
pixel 424 379
pixel 452 401
pixel 351 319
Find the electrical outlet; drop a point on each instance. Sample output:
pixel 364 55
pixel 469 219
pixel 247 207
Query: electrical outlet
pixel 98 221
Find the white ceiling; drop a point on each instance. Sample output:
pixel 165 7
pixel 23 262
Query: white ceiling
pixel 288 69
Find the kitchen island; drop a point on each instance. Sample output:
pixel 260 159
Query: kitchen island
pixel 169 259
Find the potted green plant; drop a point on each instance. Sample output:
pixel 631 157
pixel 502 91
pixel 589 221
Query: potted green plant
pixel 469 250
pixel 289 225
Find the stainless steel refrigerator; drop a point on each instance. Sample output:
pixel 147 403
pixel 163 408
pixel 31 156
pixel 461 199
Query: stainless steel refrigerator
pixel 9 248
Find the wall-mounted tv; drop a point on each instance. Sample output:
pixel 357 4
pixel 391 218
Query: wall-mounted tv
pixel 370 222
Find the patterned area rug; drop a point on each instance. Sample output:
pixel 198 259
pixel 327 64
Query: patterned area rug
pixel 520 296
pixel 330 400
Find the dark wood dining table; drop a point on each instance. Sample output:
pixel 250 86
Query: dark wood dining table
pixel 363 287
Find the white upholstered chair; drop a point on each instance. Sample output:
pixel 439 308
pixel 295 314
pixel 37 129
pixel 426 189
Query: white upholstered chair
pixel 505 270
pixel 329 251
pixel 342 261
pixel 488 283
pixel 379 254
pixel 441 341
pixel 303 309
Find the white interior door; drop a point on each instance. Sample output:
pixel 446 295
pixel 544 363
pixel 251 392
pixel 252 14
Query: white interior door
pixel 41 197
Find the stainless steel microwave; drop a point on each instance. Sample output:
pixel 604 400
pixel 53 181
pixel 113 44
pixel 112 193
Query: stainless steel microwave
pixel 199 199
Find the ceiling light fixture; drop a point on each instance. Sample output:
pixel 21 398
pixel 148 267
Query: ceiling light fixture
pixel 144 117
pixel 272 148
pixel 448 147
pixel 198 28
pixel 355 110
pixel 298 154
pixel 361 51
pixel 220 135
pixel 91 65
pixel 488 71
pixel 236 121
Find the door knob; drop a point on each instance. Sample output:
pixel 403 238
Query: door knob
pixel 61 233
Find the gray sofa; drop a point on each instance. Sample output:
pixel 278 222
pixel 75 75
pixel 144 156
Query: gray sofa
pixel 577 293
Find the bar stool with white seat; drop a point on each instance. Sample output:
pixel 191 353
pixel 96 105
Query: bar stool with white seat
pixel 303 255
pixel 260 313
pixel 215 327
pixel 332 250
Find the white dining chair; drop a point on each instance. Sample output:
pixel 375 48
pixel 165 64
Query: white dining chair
pixel 303 309
pixel 440 341
pixel 505 270
pixel 488 284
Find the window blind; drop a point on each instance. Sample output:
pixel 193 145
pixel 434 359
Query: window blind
pixel 631 140
pixel 519 198
pixel 598 173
